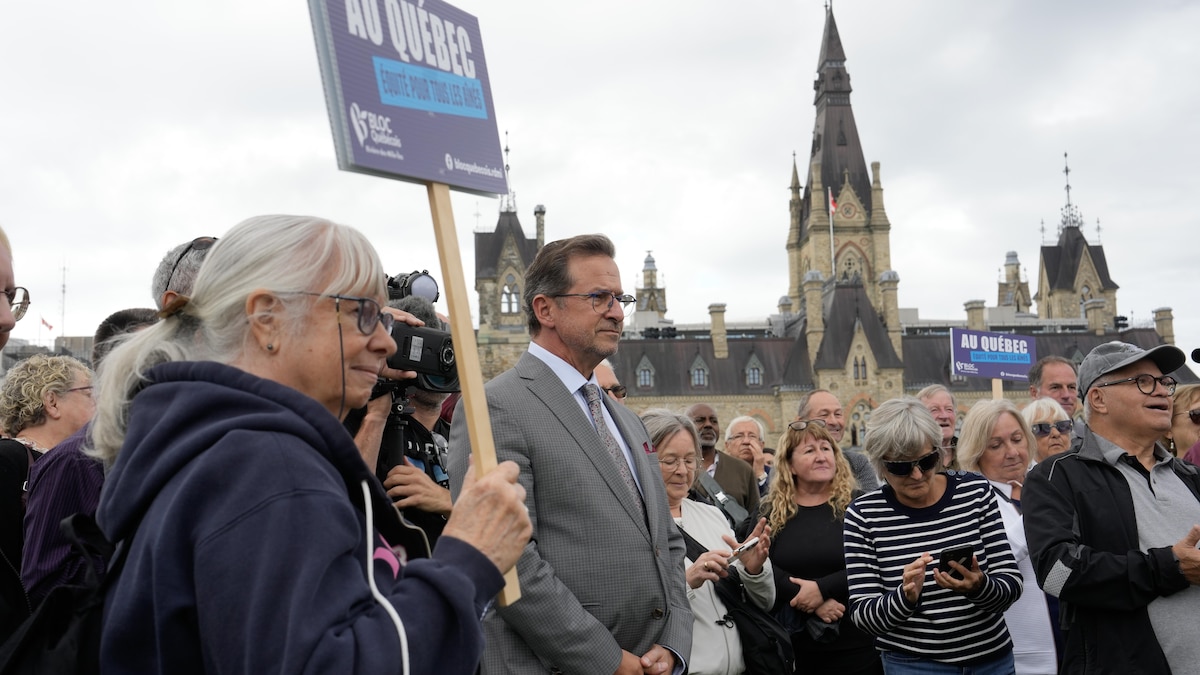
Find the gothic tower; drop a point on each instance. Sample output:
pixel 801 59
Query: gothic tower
pixel 839 255
pixel 836 169
pixel 1073 275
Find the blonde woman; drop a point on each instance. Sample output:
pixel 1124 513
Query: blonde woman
pixel 810 490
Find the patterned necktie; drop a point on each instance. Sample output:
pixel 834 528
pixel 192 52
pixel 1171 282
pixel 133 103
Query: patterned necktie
pixel 592 393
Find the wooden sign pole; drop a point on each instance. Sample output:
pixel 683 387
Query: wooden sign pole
pixel 466 353
pixel 997 389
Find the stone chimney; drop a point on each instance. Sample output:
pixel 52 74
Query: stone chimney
pixel 785 305
pixel 976 314
pixel 539 215
pixel 720 339
pixel 889 283
pixel 814 309
pixel 1164 324
pixel 1094 311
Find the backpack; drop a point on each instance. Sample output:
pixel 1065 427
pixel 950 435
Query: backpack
pixel 62 637
pixel 766 645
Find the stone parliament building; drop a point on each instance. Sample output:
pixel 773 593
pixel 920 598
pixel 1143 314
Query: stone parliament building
pixel 839 326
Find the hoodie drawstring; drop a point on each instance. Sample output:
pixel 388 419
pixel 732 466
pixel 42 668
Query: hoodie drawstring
pixel 387 606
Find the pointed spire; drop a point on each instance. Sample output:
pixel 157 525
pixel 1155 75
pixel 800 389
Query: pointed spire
pixel 831 42
pixel 508 203
pixel 836 144
pixel 795 174
pixel 1071 217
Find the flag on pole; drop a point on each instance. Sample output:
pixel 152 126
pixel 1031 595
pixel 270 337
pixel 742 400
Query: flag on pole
pixel 832 202
pixel 46 324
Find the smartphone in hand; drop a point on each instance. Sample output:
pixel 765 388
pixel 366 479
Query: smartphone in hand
pixel 960 554
pixel 737 553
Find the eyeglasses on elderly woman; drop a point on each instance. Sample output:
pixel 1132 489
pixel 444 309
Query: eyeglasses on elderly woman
pixel 1042 429
pixel 369 312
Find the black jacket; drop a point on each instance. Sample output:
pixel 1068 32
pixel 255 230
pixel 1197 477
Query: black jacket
pixel 14 471
pixel 1083 539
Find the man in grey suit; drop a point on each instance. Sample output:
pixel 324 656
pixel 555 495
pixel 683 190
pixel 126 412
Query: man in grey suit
pixel 602 579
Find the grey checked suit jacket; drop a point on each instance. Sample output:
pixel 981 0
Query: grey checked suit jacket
pixel 596 577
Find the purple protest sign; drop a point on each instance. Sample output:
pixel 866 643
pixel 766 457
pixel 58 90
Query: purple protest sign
pixel 408 93
pixel 1002 356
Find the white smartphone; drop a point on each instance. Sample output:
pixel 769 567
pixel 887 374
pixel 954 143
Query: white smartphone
pixel 737 553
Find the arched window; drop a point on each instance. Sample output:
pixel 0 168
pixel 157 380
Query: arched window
pixel 645 378
pixel 753 371
pixel 699 372
pixel 510 297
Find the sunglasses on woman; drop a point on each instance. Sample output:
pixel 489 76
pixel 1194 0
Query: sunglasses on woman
pixel 1042 429
pixel 1193 415
pixel 925 464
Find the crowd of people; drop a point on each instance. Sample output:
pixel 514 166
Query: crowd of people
pixel 237 444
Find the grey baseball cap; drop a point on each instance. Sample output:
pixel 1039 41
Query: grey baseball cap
pixel 1115 355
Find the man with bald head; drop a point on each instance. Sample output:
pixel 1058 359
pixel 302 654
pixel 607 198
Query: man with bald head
pixel 16 299
pixel 735 476
pixel 822 406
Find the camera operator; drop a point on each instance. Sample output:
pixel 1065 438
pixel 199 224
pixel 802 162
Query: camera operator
pixel 402 435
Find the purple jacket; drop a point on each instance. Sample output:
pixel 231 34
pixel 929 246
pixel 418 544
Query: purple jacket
pixel 62 483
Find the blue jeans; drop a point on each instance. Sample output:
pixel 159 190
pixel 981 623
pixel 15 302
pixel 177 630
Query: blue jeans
pixel 896 663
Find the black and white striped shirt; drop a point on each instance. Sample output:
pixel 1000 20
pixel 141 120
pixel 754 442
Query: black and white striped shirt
pixel 882 535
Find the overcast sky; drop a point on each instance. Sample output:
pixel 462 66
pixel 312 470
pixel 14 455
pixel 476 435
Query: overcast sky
pixel 128 128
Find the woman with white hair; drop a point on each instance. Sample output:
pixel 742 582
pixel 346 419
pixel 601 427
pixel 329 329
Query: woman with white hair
pixel 927 616
pixel 1050 425
pixel 258 540
pixel 995 442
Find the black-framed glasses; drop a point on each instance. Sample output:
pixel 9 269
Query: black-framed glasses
pixel 197 244
pixel 617 390
pixel 925 464
pixel 801 425
pixel 602 301
pixel 1193 415
pixel 1146 383
pixel 18 302
pixel 87 390
pixel 1042 429
pixel 369 312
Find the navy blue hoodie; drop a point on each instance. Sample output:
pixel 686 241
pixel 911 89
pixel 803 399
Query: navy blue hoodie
pixel 250 547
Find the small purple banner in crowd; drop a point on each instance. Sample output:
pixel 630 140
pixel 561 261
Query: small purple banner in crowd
pixel 408 93
pixel 1004 356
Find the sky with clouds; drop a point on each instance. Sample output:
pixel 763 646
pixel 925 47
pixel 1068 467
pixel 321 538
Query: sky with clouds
pixel 128 128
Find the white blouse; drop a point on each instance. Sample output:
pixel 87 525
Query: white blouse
pixel 716 648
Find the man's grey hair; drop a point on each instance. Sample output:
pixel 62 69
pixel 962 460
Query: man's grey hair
pixel 178 269
pixel 762 432
pixel 802 408
pixel 935 389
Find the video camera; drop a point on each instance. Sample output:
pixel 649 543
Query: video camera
pixel 426 350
